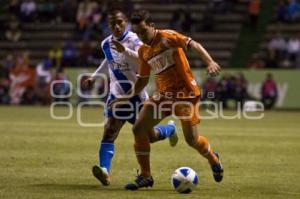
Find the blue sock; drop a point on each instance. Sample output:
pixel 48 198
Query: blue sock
pixel 106 153
pixel 165 131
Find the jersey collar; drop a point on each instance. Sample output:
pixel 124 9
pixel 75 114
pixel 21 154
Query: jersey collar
pixel 154 37
pixel 122 37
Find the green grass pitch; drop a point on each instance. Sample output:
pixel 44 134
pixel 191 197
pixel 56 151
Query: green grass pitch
pixel 46 158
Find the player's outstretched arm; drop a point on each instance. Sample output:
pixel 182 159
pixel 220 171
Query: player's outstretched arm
pixel 103 68
pixel 212 67
pixel 89 82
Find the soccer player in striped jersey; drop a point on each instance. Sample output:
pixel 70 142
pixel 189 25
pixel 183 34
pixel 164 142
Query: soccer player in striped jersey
pixel 177 92
pixel 121 61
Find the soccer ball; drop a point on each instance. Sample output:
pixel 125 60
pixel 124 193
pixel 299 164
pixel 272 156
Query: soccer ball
pixel 184 180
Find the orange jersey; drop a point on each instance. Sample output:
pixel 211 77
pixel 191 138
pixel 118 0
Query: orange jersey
pixel 166 57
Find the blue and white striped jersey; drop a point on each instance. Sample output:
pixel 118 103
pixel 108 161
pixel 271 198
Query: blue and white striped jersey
pixel 122 67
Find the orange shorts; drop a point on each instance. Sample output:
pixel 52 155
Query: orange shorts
pixel 187 110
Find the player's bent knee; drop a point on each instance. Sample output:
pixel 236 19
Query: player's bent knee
pixel 152 139
pixel 191 142
pixel 138 129
pixel 135 129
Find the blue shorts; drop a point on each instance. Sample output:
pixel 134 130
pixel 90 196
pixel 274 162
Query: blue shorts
pixel 127 112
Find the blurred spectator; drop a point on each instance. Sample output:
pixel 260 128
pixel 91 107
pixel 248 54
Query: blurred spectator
pixel 29 97
pixel 47 11
pixel 217 5
pixel 89 54
pixel 68 54
pixel 22 79
pixel 176 20
pixel 4 90
pixel 86 53
pixel 28 10
pixel 256 62
pixel 128 7
pixel 240 89
pixel 84 12
pixel 91 20
pixel 224 90
pixel 253 12
pixel 276 51
pixel 293 10
pixel 55 55
pixel 166 1
pixel 85 90
pixel 13 32
pixel 44 77
pixel 68 9
pixel 293 48
pixel 104 26
pixel 5 68
pixel 61 88
pixel 188 24
pixel 208 21
pixel 93 29
pixel 269 92
pixel 222 6
pixel 43 71
pixel 281 11
pixel 230 5
pixel 7 64
pixel 97 55
pixel 14 7
pixel 210 89
pixel 297 64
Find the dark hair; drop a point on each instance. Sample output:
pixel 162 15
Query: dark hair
pixel 139 16
pixel 114 12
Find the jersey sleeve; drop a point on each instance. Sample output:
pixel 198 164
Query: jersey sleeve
pixel 102 69
pixel 144 68
pixel 137 43
pixel 176 39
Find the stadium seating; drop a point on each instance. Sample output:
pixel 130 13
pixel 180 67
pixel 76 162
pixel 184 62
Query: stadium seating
pixel 286 30
pixel 280 28
pixel 220 42
pixel 38 38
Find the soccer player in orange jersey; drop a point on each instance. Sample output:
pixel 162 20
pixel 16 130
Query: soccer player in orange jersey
pixel 121 62
pixel 177 92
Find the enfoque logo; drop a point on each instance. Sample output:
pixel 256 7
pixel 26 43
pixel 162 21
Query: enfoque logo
pixel 62 90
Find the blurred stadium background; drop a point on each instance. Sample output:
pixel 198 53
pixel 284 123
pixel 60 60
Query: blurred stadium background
pixel 257 42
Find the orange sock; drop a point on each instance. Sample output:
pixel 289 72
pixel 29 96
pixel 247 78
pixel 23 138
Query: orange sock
pixel 203 147
pixel 142 151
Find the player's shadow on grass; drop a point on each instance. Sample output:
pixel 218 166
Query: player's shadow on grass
pixel 91 187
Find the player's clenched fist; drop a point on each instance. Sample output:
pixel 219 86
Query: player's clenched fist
pixel 118 46
pixel 89 83
pixel 213 68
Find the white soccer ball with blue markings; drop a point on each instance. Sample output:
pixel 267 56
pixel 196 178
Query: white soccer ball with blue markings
pixel 184 180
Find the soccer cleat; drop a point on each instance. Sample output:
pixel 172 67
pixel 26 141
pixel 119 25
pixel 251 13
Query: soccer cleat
pixel 140 182
pixel 173 139
pixel 101 174
pixel 218 170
